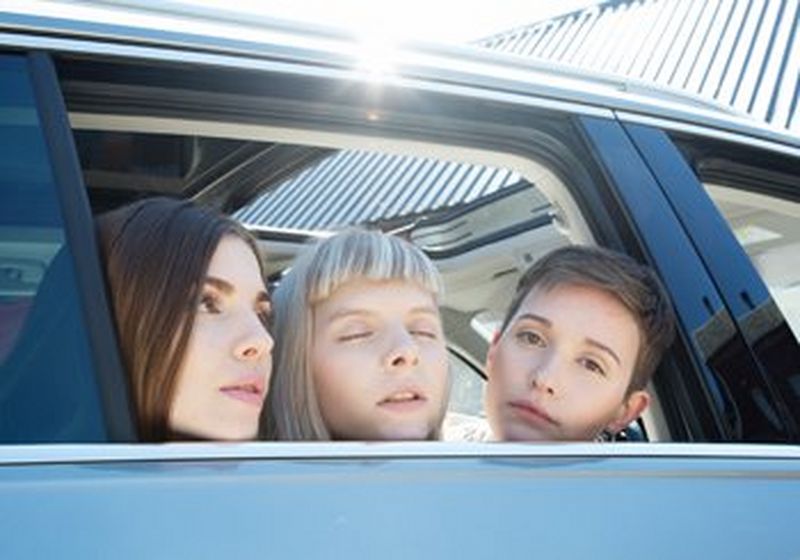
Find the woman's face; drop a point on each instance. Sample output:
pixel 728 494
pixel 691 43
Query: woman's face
pixel 379 361
pixel 225 372
pixel 562 368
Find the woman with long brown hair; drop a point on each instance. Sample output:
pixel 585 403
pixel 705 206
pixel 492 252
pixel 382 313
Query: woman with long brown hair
pixel 188 292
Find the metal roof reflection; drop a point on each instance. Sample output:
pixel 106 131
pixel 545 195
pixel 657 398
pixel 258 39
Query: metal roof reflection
pixel 743 53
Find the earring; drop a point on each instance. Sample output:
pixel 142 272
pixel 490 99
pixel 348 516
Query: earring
pixel 606 436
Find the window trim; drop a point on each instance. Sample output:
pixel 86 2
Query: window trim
pixel 702 411
pixel 743 292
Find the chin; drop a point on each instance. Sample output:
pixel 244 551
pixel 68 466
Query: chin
pixel 406 433
pixel 521 434
pixel 244 432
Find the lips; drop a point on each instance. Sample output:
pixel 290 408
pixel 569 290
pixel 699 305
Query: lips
pixel 403 400
pixel 532 414
pixel 249 390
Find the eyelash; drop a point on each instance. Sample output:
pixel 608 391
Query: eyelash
pixel 593 366
pixel 366 334
pixel 530 338
pixel 354 336
pixel 425 334
pixel 209 303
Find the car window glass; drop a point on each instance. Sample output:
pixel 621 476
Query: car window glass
pixel 769 230
pixel 755 191
pixel 47 390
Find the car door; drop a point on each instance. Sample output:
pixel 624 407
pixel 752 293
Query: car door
pixel 54 323
pixel 737 198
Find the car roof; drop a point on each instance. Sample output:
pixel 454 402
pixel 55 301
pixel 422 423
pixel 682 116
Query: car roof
pixel 175 31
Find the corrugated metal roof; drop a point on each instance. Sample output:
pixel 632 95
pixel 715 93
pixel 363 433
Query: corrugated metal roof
pixel 743 53
pixel 356 187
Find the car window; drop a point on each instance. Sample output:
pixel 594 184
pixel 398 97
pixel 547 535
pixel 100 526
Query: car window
pixel 768 228
pixel 755 191
pixel 46 382
pixel 753 186
pixel 484 186
pixel 451 209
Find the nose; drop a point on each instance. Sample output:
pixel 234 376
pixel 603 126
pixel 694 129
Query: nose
pixel 403 351
pixel 544 375
pixel 254 342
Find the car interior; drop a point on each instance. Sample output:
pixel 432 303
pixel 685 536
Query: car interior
pixel 483 214
pixel 481 245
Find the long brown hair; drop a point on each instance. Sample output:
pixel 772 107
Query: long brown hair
pixel 156 253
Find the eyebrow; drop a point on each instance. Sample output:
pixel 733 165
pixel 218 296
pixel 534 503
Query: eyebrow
pixel 345 313
pixel 227 288
pixel 222 285
pixel 592 342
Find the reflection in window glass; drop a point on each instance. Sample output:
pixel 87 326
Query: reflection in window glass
pixel 47 390
pixel 769 230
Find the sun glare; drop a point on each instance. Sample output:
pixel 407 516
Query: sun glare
pixel 376 56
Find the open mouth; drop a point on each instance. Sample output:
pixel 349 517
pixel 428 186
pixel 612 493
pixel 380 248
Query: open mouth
pixel 403 399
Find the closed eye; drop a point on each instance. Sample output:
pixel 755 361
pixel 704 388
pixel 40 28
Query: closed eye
pixel 425 333
pixel 354 336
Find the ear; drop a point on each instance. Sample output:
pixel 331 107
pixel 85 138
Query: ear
pixel 630 410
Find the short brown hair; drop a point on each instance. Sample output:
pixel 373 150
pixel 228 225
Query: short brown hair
pixel 636 286
pixel 156 253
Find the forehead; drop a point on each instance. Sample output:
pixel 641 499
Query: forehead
pixel 379 297
pixel 581 306
pixel 233 260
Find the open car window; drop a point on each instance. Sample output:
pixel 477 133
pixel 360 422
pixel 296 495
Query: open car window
pixel 485 179
pixel 483 215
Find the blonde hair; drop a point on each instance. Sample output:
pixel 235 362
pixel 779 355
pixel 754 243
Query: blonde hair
pixel 293 411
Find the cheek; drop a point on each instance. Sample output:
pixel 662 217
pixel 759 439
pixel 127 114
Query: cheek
pixel 507 367
pixel 595 402
pixel 436 356
pixel 208 347
pixel 207 338
pixel 441 373
pixel 327 359
pixel 334 369
pixel 193 355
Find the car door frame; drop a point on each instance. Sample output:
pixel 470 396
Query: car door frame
pixel 81 239
pixel 744 293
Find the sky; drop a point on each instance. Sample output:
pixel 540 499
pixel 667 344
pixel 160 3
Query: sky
pixel 451 21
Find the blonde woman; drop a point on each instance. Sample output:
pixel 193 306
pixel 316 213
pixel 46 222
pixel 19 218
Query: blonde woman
pixel 360 351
